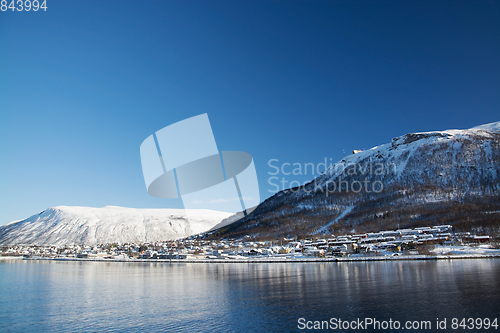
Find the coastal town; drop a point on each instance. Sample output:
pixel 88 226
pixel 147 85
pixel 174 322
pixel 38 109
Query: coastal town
pixel 423 241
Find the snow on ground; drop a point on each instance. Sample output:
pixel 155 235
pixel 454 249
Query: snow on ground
pixel 464 249
pixel 491 127
pixel 324 229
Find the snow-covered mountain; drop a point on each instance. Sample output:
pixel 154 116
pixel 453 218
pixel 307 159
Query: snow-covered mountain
pixel 86 225
pixel 441 177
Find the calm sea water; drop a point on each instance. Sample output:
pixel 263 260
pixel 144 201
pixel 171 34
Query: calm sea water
pixel 52 296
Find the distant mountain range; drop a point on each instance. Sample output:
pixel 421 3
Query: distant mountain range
pixel 418 179
pixel 86 225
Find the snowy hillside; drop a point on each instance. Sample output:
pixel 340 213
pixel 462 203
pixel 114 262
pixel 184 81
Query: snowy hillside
pixel 411 154
pixel 443 177
pixel 86 225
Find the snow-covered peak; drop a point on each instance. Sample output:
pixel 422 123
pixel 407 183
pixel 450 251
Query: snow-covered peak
pixel 400 150
pixel 63 225
pixel 411 137
pixel 491 127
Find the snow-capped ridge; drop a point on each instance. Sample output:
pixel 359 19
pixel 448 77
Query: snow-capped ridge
pixel 407 144
pixel 66 225
pixel 491 127
pixel 412 137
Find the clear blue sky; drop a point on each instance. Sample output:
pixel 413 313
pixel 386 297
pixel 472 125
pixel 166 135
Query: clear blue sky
pixel 84 83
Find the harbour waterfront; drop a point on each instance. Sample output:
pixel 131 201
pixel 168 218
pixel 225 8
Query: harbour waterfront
pixel 61 296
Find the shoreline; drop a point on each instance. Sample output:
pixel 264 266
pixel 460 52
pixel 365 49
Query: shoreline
pixel 275 260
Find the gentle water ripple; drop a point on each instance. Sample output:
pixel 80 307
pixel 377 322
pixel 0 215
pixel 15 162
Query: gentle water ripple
pixel 52 296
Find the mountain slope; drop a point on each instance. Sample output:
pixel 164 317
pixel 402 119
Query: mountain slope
pixel 442 177
pixel 85 225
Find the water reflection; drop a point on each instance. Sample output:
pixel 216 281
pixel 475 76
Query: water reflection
pixel 97 296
